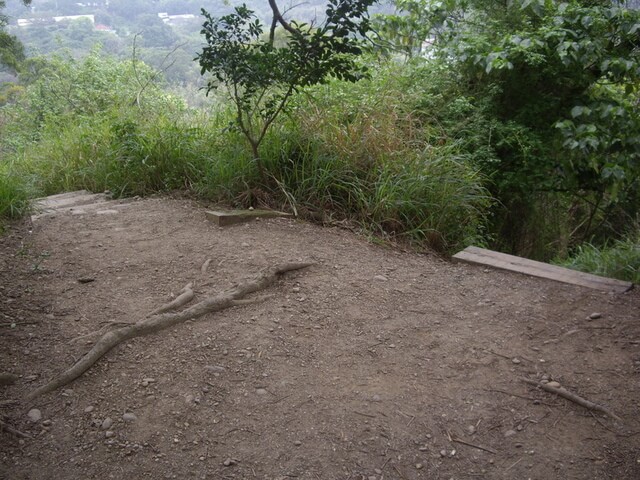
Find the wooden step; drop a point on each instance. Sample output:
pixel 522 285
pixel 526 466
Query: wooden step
pixel 222 218
pixel 489 258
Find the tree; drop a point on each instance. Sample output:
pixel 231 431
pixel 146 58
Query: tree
pixel 563 80
pixel 11 50
pixel 261 76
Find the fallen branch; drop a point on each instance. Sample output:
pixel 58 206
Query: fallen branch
pixel 162 321
pixel 563 392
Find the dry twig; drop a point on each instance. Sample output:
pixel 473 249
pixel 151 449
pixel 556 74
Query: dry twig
pixel 564 393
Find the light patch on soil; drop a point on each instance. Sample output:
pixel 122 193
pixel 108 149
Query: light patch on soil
pixel 373 363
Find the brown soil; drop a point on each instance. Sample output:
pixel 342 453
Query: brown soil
pixel 373 363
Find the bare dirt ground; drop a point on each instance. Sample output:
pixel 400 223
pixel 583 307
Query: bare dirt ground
pixel 374 363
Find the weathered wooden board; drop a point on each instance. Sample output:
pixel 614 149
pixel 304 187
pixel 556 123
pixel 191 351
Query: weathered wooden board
pixel 222 218
pixel 489 258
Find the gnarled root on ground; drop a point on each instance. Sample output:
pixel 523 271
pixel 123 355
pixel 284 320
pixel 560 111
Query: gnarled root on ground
pixel 161 321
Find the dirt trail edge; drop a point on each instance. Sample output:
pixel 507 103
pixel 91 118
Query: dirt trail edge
pixel 373 364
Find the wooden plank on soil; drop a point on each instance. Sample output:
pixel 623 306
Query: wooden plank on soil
pixel 489 258
pixel 222 218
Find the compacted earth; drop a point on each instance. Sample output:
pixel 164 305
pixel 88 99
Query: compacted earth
pixel 373 363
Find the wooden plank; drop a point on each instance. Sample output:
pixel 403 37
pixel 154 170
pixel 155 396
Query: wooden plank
pixel 481 256
pixel 222 218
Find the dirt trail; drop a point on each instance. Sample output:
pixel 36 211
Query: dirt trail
pixel 372 364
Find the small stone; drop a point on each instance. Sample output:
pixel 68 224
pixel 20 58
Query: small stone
pixel 67 393
pixel 554 384
pixel 419 466
pixel 471 429
pixel 109 433
pixel 423 448
pixel 516 361
pixel 380 278
pixel 215 368
pixel 595 316
pixel 34 415
pixel 518 445
pixel 378 471
pixel 47 423
pixel 453 453
pixel 297 443
pixel 89 409
pixel 509 433
pixel 261 391
pixel 245 245
pixel 129 417
pixel 376 398
pixel 295 289
pixel 443 453
pixel 519 428
pixel 106 423
pixel 372 477
pixel 228 462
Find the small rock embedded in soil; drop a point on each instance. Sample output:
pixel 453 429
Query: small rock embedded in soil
pixel 509 433
pixel 516 360
pixel 89 409
pixel 228 462
pixel 261 391
pixel 129 417
pixel 109 433
pixel 595 316
pixel 106 423
pixel 380 278
pixel 34 415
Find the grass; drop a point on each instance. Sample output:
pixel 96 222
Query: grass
pixel 354 152
pixel 619 260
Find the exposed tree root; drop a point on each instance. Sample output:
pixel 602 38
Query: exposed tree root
pixel 8 428
pixel 155 323
pixel 563 392
pixel 186 295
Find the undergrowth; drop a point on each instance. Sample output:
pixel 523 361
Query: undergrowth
pixel 620 260
pixel 358 152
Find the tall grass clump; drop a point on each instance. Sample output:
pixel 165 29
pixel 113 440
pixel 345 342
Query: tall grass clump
pixel 365 152
pixel 620 259
pixel 14 197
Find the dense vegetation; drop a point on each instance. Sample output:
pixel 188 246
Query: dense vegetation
pixel 514 127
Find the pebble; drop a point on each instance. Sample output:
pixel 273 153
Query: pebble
pixel 554 384
pixel 228 462
pixel 109 433
pixel 443 453
pixel 215 368
pixel 47 423
pixel 419 466
pixel 297 443
pixel 516 361
pixel 376 398
pixel 380 278
pixel 89 409
pixel 509 433
pixel 595 316
pixel 106 423
pixel 34 415
pixel 471 429
pixel 378 471
pixel 261 391
pixel 129 417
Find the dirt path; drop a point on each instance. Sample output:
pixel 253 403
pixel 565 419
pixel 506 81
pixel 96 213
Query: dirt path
pixel 372 364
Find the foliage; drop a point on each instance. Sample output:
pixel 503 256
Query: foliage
pixel 559 82
pixel 619 260
pixel 11 50
pixel 261 77
pixel 66 91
